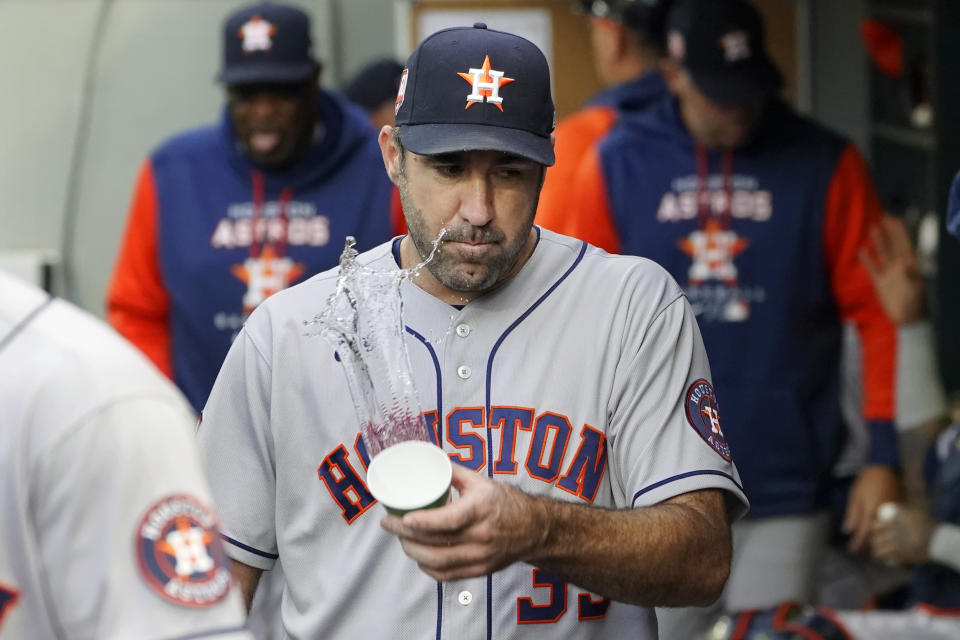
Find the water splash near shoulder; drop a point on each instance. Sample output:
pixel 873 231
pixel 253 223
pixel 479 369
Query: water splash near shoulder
pixel 363 323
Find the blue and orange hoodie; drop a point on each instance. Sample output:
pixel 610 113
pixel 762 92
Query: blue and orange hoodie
pixel 209 235
pixel 581 131
pixel 764 241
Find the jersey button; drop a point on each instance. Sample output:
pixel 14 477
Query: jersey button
pixel 464 371
pixel 463 330
pixel 464 598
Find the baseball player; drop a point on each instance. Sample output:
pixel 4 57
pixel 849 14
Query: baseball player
pixel 760 213
pixel 105 515
pixel 569 386
pixel 224 215
pixel 627 43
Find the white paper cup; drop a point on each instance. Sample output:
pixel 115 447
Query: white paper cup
pixel 410 475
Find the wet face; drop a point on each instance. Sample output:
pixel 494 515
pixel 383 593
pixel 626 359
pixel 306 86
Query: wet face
pixel 273 122
pixel 485 200
pixel 712 124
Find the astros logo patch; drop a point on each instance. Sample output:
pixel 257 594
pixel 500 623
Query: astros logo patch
pixel 179 552
pixel 702 414
pixel 486 84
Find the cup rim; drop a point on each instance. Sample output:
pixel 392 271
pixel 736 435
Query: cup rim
pixel 377 490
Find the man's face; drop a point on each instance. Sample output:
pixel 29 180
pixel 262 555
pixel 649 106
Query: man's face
pixel 273 122
pixel 486 200
pixel 712 124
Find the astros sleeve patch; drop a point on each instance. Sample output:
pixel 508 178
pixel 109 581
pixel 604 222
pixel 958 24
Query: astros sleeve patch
pixel 703 415
pixel 179 552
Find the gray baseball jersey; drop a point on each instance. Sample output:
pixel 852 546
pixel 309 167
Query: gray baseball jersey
pixel 105 521
pixel 583 378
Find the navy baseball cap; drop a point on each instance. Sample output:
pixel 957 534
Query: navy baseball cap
pixel 267 42
pixel 721 43
pixel 476 89
pixel 644 17
pixel 375 84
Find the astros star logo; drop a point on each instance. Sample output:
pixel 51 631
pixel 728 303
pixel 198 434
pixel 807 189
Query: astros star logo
pixel 713 249
pixel 713 417
pixel 486 83
pixel 265 275
pixel 736 46
pixel 257 34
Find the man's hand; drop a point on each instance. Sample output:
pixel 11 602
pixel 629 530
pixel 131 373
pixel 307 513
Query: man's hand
pixel 490 526
pixel 892 265
pixel 874 485
pixel 903 539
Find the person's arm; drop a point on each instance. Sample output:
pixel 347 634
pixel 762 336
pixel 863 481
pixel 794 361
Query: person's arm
pixel 237 454
pixel 851 209
pixel 673 553
pixel 668 543
pixel 921 404
pixel 137 301
pixel 115 501
pixel 247 578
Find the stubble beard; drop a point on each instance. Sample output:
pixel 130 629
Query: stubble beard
pixel 444 265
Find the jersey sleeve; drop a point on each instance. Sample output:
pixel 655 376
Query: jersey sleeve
pixel 137 300
pixel 238 454
pixel 851 210
pixel 117 504
pixel 583 211
pixel 667 436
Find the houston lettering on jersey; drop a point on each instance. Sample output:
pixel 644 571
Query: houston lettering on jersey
pixel 550 435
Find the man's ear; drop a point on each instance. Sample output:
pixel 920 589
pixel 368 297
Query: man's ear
pixel 390 153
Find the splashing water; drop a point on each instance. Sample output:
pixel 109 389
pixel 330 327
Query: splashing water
pixel 363 323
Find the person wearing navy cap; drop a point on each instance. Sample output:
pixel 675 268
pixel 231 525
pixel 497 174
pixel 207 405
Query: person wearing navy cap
pixel 628 40
pixel 374 88
pixel 760 214
pixel 569 388
pixel 223 216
